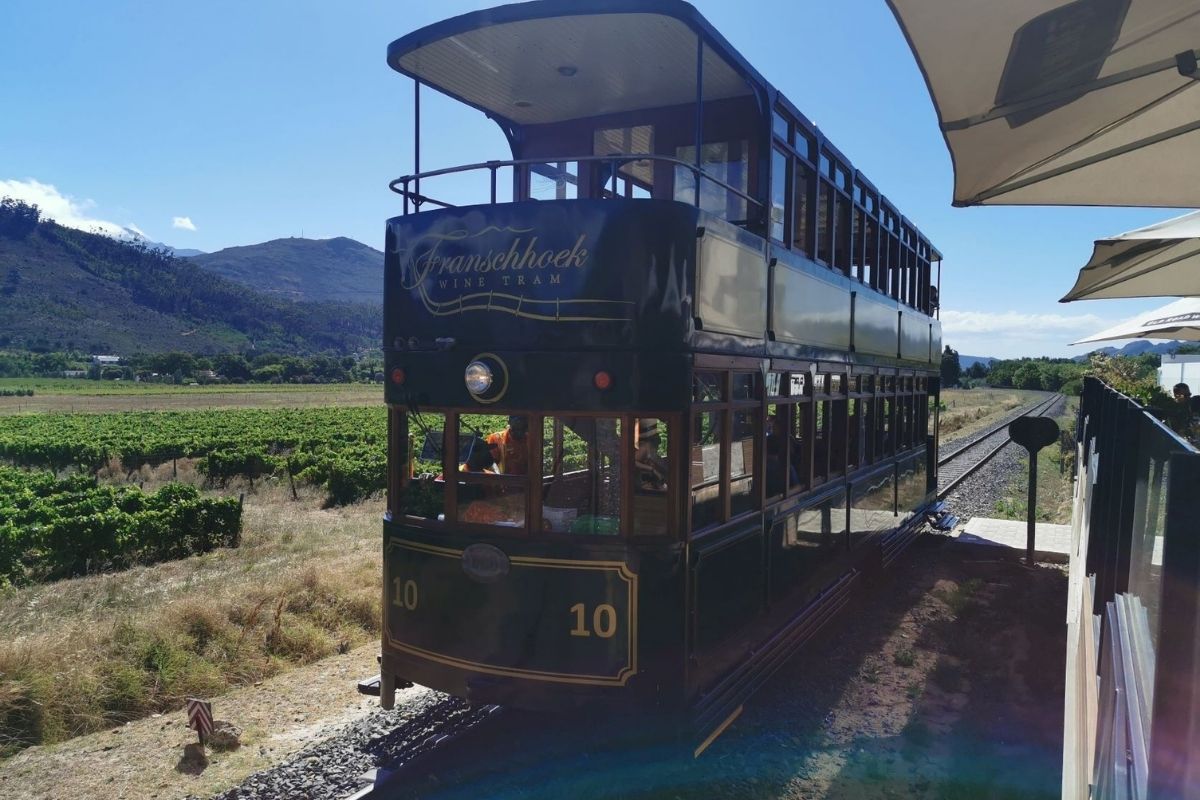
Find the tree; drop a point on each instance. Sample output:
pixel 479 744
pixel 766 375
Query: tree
pixel 1028 376
pixel 951 369
pixel 977 371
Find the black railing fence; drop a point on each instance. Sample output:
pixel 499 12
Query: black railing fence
pixel 1132 714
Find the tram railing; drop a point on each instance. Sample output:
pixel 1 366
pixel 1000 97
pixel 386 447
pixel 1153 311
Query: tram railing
pixel 409 186
pixel 1132 704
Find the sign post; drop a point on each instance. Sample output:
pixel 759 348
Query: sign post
pixel 1032 433
pixel 200 718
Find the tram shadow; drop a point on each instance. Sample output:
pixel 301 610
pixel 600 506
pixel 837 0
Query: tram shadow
pixel 932 684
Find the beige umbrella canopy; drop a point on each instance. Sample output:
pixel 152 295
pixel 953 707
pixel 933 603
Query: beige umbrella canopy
pixel 1178 320
pixel 1061 102
pixel 1160 260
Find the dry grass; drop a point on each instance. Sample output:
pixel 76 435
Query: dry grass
pixel 971 410
pixel 84 654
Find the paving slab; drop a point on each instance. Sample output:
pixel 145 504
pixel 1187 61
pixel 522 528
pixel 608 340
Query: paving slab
pixel 1051 542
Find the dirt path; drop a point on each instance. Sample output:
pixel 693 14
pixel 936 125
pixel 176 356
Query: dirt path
pixel 145 759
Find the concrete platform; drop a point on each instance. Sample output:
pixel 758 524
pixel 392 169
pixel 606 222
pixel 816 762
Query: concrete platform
pixel 1051 542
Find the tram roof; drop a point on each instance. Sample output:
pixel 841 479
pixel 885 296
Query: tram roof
pixel 553 60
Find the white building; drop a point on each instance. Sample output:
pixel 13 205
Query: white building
pixel 1179 369
pixel 105 360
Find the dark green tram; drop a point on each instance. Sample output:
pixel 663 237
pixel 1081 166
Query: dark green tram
pixel 657 412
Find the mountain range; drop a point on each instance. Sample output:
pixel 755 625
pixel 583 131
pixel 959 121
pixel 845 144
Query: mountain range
pixel 315 270
pixel 65 289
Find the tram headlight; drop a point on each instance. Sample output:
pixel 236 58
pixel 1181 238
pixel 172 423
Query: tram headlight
pixel 479 378
pixel 486 377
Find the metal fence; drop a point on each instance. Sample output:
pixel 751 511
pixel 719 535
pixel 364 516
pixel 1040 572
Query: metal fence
pixel 1132 712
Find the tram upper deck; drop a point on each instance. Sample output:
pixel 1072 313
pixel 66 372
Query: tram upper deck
pixel 660 193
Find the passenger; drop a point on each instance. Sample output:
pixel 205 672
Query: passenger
pixel 510 447
pixel 479 458
pixel 1183 396
pixel 651 467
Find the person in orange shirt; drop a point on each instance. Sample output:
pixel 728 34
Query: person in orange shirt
pixel 510 447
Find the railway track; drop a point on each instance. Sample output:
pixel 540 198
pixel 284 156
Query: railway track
pixel 960 463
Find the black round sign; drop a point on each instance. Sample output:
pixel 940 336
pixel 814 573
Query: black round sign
pixel 1033 433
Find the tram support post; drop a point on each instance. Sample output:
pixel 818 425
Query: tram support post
pixel 699 112
pixel 1032 433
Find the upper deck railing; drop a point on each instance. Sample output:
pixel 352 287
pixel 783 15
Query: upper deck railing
pixel 409 186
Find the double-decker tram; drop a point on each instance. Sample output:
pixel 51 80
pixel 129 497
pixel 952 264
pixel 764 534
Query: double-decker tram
pixel 660 394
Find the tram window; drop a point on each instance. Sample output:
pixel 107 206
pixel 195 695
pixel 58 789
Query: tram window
pixel 424 490
pixel 728 162
pixel 800 448
pixel 854 435
pixel 856 245
pixel 743 386
pixel 554 181
pixel 581 489
pixel 493 456
pixel 776 449
pixel 870 260
pixel 883 427
pixel 804 143
pixel 743 461
pixel 843 241
pixel 824 222
pixel 866 408
pixel 705 472
pixel 708 387
pixel 800 206
pixel 775 384
pixel 837 430
pixel 779 125
pixel 779 168
pixel 652 477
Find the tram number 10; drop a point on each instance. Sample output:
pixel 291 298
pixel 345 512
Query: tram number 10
pixel 604 621
pixel 404 594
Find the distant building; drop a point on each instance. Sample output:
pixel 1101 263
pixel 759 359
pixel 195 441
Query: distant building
pixel 1179 369
pixel 206 374
pixel 74 373
pixel 105 360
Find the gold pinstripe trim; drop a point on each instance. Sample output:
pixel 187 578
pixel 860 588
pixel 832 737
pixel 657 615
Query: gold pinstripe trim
pixel 619 567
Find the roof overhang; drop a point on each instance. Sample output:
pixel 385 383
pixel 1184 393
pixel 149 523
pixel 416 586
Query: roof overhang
pixel 553 60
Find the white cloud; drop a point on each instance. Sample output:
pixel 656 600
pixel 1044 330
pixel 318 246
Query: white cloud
pixel 1010 334
pixel 62 208
pixel 183 223
pixel 1016 323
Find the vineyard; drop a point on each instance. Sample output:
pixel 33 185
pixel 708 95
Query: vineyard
pixel 342 450
pixel 55 528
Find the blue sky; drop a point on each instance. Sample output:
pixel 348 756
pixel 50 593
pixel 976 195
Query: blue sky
pixel 222 123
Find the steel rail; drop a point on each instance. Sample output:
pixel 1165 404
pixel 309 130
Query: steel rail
pixel 999 430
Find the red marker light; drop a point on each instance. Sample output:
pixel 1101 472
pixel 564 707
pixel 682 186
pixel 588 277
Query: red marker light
pixel 602 380
pixel 398 376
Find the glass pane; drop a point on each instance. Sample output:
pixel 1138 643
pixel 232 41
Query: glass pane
pixel 821 440
pixel 706 447
pixel 820 383
pixel 798 452
pixel 707 387
pixel 728 162
pixel 652 477
pixel 554 181
pixel 853 436
pixel 635 140
pixel 835 384
pixel 586 496
pixel 424 493
pixel 800 206
pixel 779 164
pixel 798 384
pixel 482 504
pixel 491 443
pixel 741 449
pixel 779 125
pixel 824 222
pixel 743 386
